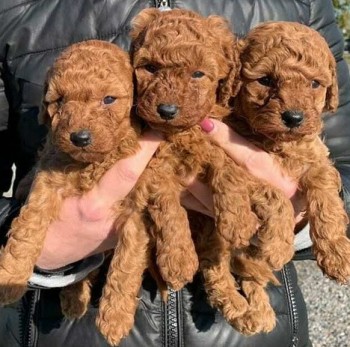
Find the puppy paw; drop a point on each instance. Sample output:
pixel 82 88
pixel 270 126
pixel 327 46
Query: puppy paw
pixel 228 300
pixel 114 329
pixel 233 307
pixel 336 262
pixel 255 322
pixel 178 268
pixel 278 256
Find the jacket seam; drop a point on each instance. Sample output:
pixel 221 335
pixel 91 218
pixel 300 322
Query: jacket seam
pixel 311 15
pixel 304 2
pixel 98 37
pixel 18 5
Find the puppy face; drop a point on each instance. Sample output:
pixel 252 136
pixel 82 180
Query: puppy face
pixel 184 64
pixel 288 80
pixel 88 99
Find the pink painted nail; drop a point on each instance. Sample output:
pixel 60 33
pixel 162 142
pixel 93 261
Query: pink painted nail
pixel 207 125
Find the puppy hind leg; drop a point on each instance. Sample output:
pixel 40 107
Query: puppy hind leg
pixel 255 275
pixel 260 316
pixel 220 285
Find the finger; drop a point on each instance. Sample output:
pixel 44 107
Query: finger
pixel 191 203
pixel 118 181
pixel 258 162
pixel 202 193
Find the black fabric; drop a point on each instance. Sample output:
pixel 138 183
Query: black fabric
pixel 32 34
pixel 9 209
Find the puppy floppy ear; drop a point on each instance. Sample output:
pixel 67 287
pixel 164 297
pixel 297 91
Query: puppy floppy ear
pixel 240 45
pixel 332 96
pixel 141 22
pixel 43 116
pixel 230 85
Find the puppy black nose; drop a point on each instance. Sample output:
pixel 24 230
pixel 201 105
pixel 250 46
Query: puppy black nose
pixel 292 119
pixel 167 112
pixel 81 138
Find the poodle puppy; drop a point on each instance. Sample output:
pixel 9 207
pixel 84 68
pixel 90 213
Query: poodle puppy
pixel 288 80
pixel 186 67
pixel 87 103
pixel 184 63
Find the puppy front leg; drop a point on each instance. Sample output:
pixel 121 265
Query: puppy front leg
pixel 176 256
pixel 119 299
pixel 275 234
pixel 328 221
pixel 234 219
pixel 26 239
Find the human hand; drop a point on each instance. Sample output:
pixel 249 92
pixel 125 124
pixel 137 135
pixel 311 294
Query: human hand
pixel 258 162
pixel 85 224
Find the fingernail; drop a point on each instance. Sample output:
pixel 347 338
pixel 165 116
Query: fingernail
pixel 207 125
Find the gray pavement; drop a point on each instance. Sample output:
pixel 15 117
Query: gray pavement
pixel 328 307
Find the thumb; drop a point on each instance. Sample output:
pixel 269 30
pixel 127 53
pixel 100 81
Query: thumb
pixel 258 162
pixel 119 180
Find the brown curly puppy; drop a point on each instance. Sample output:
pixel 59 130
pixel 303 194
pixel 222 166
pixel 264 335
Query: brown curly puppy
pixel 288 80
pixel 185 67
pixel 89 94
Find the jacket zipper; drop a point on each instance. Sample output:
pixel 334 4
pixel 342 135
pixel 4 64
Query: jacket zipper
pixel 165 4
pixel 292 305
pixel 28 325
pixel 173 331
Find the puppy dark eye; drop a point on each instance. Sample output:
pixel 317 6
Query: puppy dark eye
pixel 266 81
pixel 151 68
pixel 315 84
pixel 198 74
pixel 109 100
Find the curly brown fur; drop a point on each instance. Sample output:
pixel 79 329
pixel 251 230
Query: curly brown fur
pixel 190 64
pixel 89 89
pixel 288 80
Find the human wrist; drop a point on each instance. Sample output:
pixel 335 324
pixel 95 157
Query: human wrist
pixel 64 276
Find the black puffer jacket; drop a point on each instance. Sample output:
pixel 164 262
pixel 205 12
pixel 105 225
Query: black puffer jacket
pixel 32 34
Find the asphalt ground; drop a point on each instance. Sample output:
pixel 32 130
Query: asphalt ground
pixel 328 306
